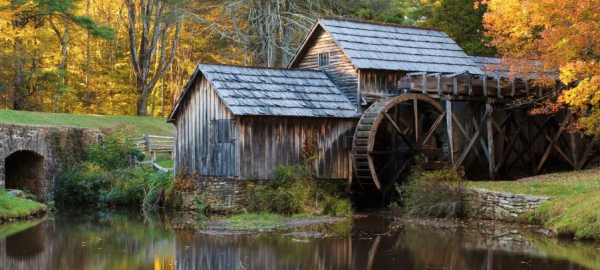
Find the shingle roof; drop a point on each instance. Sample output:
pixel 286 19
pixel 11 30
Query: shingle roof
pixel 389 47
pixel 277 92
pixel 490 66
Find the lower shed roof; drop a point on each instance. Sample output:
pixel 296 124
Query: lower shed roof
pixel 274 92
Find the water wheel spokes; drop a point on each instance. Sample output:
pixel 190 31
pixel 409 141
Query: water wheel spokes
pixel 391 133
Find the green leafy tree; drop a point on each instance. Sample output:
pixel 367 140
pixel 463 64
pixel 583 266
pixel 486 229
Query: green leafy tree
pixel 462 21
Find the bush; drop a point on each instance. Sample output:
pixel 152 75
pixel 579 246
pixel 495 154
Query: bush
pixel 294 192
pixel 433 193
pixel 83 184
pixel 106 178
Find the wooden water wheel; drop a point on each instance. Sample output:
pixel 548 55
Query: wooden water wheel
pixel 391 133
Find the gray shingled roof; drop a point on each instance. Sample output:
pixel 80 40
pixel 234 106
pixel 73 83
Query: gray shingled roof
pixel 388 47
pixel 277 92
pixel 491 66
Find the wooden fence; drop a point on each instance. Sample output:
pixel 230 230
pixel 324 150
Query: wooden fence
pixel 152 144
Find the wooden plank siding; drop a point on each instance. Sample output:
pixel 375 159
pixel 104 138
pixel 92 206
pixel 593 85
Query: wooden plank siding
pixel 340 69
pixel 268 141
pixel 195 151
pixel 375 84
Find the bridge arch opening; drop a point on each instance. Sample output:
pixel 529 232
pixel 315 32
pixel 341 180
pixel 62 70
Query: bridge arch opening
pixel 24 170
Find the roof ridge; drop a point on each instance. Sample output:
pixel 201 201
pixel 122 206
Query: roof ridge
pixel 382 24
pixel 255 67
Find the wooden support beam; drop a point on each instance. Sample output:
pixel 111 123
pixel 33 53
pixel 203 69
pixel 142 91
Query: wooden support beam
pixel 433 127
pixel 439 83
pixel 588 150
pixel 490 141
pixel 424 84
pixel 484 81
pixel 498 87
pixel 470 85
pixel 471 142
pixel 450 134
pixel 391 121
pixel 511 145
pixel 416 112
pixel 512 88
pixel 455 86
pixel 481 140
pixel 563 126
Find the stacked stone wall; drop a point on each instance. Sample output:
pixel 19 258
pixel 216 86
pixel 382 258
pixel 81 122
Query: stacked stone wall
pixel 222 193
pixel 487 204
pixel 57 145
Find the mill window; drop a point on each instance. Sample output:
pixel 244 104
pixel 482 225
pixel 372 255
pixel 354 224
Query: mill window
pixel 323 60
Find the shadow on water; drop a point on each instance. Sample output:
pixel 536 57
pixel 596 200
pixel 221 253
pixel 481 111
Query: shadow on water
pixel 132 239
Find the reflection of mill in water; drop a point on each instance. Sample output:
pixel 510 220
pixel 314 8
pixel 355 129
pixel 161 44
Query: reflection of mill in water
pixel 372 244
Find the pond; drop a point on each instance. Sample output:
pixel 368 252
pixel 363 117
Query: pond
pixel 132 239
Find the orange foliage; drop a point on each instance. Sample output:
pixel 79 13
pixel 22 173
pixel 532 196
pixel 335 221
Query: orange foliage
pixel 542 36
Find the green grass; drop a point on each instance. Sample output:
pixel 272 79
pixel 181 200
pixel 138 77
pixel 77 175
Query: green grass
pixel 574 208
pixel 254 220
pixel 154 126
pixel 166 163
pixel 11 228
pixel 13 207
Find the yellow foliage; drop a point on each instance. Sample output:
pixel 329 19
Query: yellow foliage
pixel 537 36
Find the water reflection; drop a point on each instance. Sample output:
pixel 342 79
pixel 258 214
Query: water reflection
pixel 136 240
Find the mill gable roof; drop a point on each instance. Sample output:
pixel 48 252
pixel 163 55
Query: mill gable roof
pixel 394 47
pixel 276 92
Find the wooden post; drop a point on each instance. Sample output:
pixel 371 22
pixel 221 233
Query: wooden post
pixel 499 88
pixel 454 86
pixel 439 83
pixel 512 88
pixel 490 140
pixel 470 85
pixel 450 133
pixel 484 81
pixel 424 82
pixel 416 111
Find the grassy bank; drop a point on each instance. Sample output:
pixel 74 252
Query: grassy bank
pixel 155 126
pixel 14 207
pixel 575 205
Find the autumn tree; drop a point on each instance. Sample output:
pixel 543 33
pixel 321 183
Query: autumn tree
pixel 541 36
pixel 153 28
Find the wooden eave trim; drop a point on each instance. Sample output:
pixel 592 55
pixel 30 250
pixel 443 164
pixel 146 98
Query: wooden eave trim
pixel 189 84
pixel 304 42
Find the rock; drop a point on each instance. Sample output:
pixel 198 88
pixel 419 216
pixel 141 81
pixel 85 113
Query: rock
pixel 17 193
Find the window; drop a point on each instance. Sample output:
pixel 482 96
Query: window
pixel 220 131
pixel 323 60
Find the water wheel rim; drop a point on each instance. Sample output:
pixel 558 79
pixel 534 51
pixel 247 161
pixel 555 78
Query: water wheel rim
pixel 379 107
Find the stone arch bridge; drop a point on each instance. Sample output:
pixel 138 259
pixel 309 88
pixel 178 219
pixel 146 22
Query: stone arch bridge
pixel 32 157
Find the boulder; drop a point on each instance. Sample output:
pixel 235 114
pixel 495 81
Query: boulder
pixel 17 193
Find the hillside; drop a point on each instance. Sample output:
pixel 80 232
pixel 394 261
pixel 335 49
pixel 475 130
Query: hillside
pixel 155 126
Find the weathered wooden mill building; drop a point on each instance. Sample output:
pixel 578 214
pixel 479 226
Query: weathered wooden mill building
pixel 369 98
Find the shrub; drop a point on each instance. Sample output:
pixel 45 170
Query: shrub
pixel 294 192
pixel 433 193
pixel 83 184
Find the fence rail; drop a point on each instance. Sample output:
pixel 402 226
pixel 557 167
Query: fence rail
pixel 152 144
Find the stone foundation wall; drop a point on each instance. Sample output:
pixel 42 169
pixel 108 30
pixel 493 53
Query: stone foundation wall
pixel 223 193
pixel 487 204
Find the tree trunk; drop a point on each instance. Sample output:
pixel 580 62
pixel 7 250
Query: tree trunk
pixel 142 103
pixel 64 43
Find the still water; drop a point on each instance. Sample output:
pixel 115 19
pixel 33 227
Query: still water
pixel 118 239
